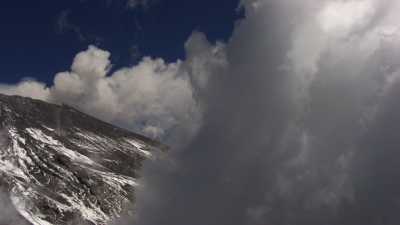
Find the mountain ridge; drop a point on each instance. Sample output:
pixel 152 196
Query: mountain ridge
pixel 61 166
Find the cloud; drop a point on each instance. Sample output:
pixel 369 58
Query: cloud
pixel 131 4
pixel 203 59
pixel 63 25
pixel 28 88
pixel 300 126
pixel 153 97
pixel 345 16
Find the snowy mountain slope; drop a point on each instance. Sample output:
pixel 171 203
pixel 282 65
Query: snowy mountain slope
pixel 60 166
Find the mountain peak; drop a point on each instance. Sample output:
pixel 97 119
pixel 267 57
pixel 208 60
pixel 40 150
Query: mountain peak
pixel 59 165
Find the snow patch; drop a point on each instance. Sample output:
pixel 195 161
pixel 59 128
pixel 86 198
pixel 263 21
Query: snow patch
pixel 20 205
pixel 141 148
pixel 58 146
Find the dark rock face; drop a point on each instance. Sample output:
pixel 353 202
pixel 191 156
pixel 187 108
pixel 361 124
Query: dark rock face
pixel 61 166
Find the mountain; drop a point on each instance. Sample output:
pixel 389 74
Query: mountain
pixel 60 166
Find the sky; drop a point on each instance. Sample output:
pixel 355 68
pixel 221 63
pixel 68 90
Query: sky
pixel 42 37
pixel 287 115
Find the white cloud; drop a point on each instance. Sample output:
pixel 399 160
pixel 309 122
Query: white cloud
pixel 345 16
pixel 281 144
pixel 203 58
pixel 153 97
pixel 27 88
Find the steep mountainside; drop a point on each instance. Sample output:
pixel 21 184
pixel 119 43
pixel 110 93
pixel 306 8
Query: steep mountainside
pixel 61 166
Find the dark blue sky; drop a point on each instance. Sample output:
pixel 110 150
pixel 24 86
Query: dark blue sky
pixel 40 38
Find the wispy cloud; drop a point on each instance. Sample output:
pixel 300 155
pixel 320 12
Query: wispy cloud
pixel 64 25
pixel 131 4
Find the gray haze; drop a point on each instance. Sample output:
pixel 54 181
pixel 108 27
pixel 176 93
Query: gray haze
pixel 293 121
pixel 301 128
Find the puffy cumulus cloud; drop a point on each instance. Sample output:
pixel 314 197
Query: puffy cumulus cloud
pixel 91 64
pixel 300 126
pixel 204 59
pixel 154 97
pixel 27 88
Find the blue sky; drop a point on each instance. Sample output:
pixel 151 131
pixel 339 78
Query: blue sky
pixel 41 38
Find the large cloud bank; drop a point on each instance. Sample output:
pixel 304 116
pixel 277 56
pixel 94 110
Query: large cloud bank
pixel 302 126
pixel 294 121
pixel 154 97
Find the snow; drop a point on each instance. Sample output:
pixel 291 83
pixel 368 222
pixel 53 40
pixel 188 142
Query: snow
pixel 141 148
pixel 53 177
pixel 20 152
pixel 93 213
pixel 21 206
pixel 95 142
pixel 11 169
pixel 19 160
pixel 48 128
pixel 115 180
pixel 15 162
pixel 58 146
pixel 92 142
